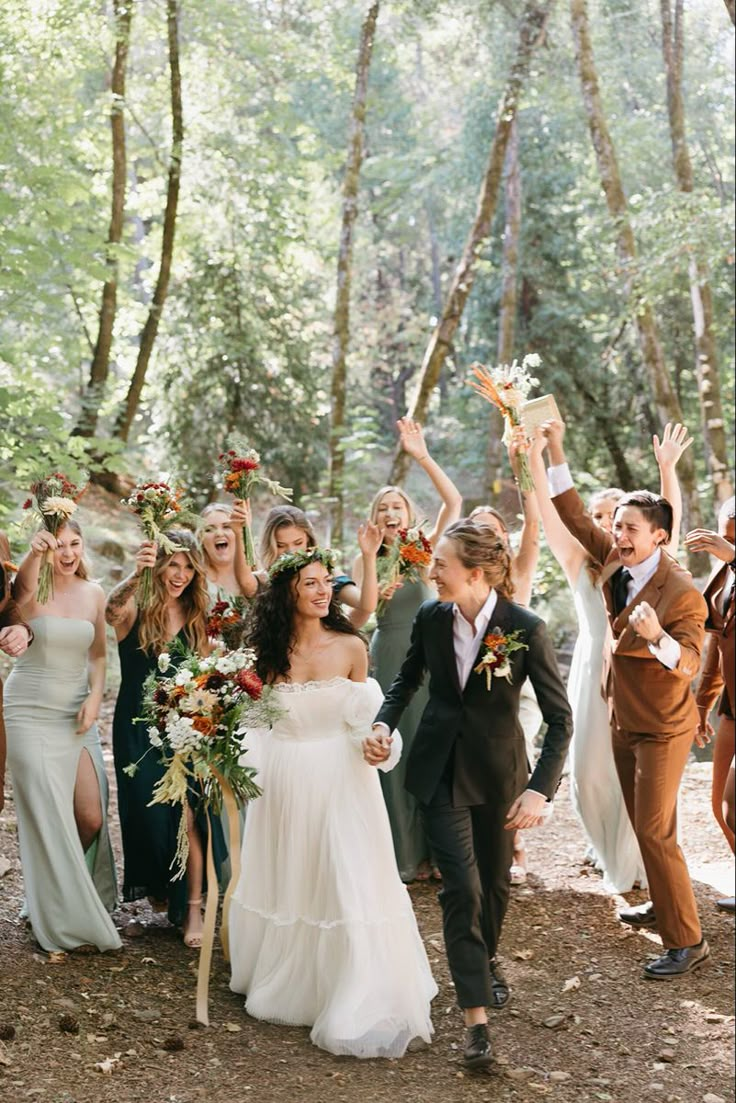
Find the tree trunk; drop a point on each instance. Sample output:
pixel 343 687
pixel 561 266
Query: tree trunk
pixel 531 30
pixel 94 392
pixel 507 311
pixel 706 364
pixel 341 326
pixel 150 329
pixel 730 7
pixel 665 398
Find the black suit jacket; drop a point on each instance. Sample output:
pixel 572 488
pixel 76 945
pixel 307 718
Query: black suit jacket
pixel 481 726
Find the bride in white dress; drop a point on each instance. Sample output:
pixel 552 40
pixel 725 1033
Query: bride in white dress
pixel 594 786
pixel 322 932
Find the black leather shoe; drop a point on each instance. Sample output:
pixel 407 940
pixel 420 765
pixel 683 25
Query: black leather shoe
pixel 477 1054
pixel 727 904
pixel 641 916
pixel 674 963
pixel 500 991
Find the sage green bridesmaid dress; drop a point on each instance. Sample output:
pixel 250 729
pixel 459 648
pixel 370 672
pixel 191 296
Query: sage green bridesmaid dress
pixel 69 894
pixel 389 645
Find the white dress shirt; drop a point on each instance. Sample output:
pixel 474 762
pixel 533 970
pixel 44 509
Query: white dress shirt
pixel 467 637
pixel 667 650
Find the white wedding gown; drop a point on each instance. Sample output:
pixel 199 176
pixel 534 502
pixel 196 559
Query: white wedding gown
pixel 594 785
pixel 322 931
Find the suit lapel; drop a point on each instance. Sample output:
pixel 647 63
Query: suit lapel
pixel 500 618
pixel 447 642
pixel 649 592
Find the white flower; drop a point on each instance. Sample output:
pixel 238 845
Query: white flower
pixel 503 671
pixel 227 664
pixel 183 677
pixel 164 661
pixel 182 735
pixel 154 738
pixel 532 360
pixel 63 506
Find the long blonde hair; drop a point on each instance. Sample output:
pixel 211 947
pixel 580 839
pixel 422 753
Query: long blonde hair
pixel 410 507
pixel 153 625
pixel 83 569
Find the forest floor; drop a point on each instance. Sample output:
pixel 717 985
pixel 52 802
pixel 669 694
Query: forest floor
pixel 582 1024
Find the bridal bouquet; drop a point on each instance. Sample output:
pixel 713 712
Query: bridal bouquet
pixel 407 557
pixel 240 469
pixel 56 500
pixel 226 623
pixel 498 647
pixel 193 709
pixel 158 508
pixel 507 387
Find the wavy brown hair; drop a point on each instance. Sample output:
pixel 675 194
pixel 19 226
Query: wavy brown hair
pixel 271 629
pixel 153 625
pixel 281 517
pixel 479 546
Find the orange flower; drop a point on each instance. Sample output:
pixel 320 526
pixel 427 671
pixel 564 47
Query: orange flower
pixel 232 481
pixel 205 725
pixel 410 553
pixel 495 641
pixel 487 388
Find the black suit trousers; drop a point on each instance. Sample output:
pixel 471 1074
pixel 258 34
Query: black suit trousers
pixel 473 852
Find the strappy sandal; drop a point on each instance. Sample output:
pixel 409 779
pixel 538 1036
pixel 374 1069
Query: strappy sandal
pixel 192 939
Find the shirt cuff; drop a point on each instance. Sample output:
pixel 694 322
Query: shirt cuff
pixel 384 729
pixel 559 479
pixel 667 651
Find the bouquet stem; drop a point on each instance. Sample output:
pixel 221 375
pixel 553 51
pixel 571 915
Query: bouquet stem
pixel 145 588
pixel 250 551
pixel 46 579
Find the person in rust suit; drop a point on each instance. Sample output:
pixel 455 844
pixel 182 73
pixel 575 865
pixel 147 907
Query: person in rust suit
pixel 14 639
pixel 657 620
pixel 719 670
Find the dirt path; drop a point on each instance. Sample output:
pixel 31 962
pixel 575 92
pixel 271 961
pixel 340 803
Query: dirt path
pixel 615 1037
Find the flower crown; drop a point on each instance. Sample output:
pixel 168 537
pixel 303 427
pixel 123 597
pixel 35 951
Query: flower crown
pixel 294 561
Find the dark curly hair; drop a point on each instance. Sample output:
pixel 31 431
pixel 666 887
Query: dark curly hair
pixel 271 628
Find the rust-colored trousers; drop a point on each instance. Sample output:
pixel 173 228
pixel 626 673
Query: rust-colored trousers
pixel 650 769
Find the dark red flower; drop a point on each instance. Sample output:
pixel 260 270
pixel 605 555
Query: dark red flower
pixel 28 503
pixel 250 683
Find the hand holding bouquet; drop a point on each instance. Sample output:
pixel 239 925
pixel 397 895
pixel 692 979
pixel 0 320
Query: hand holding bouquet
pixel 56 500
pixel 158 508
pixel 408 556
pixel 240 468
pixel 193 711
pixel 507 387
pixel 226 623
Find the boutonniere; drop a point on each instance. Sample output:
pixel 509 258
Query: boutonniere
pixel 498 647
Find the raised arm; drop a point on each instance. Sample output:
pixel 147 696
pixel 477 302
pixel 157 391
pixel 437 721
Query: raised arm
pixel 667 453
pixel 527 557
pixel 569 552
pixel 246 579
pixel 362 594
pixel 121 609
pixel 568 502
pixel 413 442
pixel 25 583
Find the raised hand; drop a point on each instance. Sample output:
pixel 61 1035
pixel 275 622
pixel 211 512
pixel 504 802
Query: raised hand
pixel 645 622
pixel 411 438
pixel 43 542
pixel 370 538
pixel 703 540
pixel 388 589
pixel 240 515
pixel 674 442
pixel 145 556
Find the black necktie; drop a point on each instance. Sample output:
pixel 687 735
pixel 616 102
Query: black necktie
pixel 621 581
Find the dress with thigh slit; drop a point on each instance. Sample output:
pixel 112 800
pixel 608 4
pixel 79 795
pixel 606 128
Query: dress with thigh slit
pixel 69 894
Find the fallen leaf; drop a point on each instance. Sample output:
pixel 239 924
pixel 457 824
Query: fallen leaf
pixel 554 1021
pixel 5 865
pixel 106 1066
pixel 523 955
pixel 149 961
pixel 571 984
pixel 233 1028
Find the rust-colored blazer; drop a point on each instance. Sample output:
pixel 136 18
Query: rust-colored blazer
pixel 718 671
pixel 644 695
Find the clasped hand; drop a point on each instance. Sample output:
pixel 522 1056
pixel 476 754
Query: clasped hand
pixel 526 811
pixel 377 748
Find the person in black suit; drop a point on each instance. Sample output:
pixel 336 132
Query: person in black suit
pixel 468 766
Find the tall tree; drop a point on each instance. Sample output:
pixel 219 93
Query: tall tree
pixel 341 325
pixel 129 408
pixel 100 366
pixel 706 357
pixel 509 295
pixel 531 30
pixel 665 397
